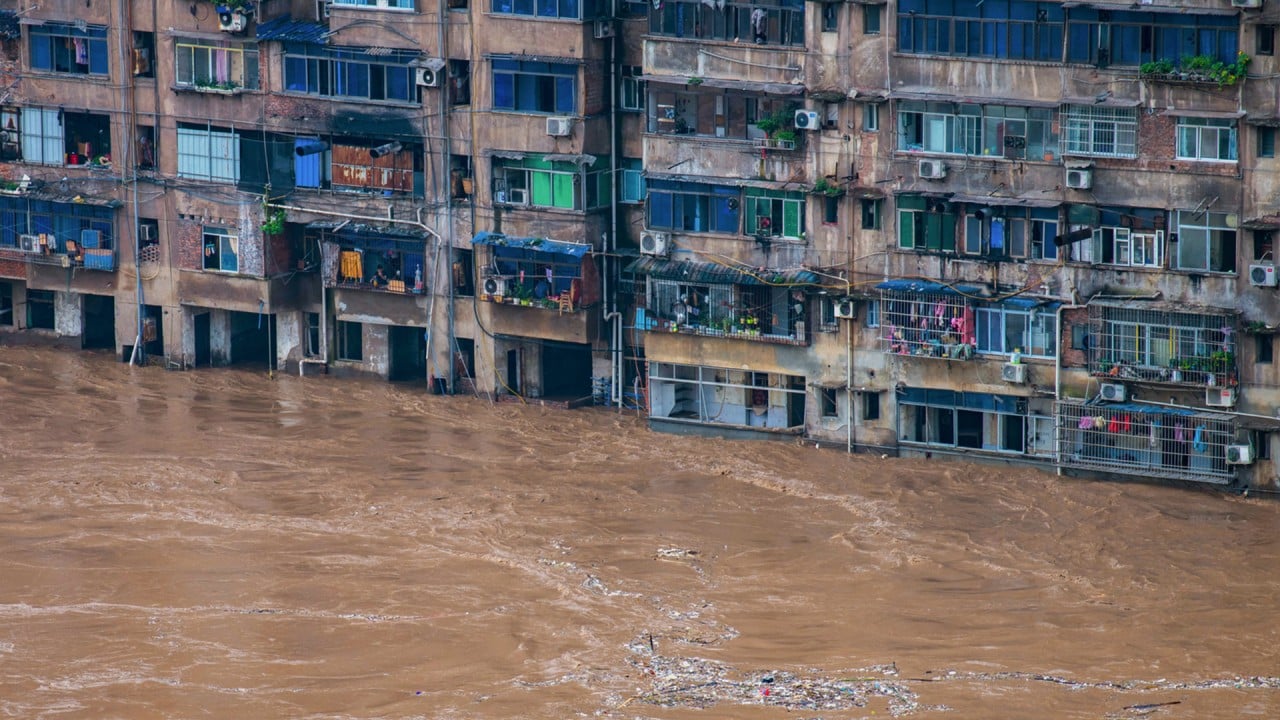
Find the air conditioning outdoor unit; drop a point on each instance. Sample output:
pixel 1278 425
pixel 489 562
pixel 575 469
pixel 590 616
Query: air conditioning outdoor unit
pixel 1079 178
pixel 807 120
pixel 1262 275
pixel 494 286
pixel 559 126
pixel 29 243
pixel 1239 454
pixel 1113 392
pixel 1223 397
pixel 1246 3
pixel 231 21
pixel 933 169
pixel 602 29
pixel 1014 373
pixel 846 309
pixel 657 244
pixel 427 77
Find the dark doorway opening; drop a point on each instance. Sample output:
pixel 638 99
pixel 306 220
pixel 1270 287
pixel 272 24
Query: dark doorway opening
pixel 203 342
pixel 969 426
pixel 513 372
pixel 99 322
pixel 406 354
pixel 566 370
pixel 253 338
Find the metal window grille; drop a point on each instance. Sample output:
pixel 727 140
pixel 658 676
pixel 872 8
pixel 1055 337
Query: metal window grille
pixel 933 325
pixel 1100 131
pixel 1162 345
pixel 1148 442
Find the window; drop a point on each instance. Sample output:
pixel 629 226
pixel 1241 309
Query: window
pixel 313 334
pixel 827 321
pixel 1017 30
pixel 563 9
pixel 926 323
pixel 939 127
pixel 221 250
pixel 1206 242
pixel 632 170
pixel 871 19
pixel 870 212
pixel 870 405
pixel 873 313
pixel 1264 349
pixel 1151 344
pixel 398 4
pixel 146 147
pixel 963 419
pixel 144 49
pixel 1263 244
pixel 225 66
pixel 780 22
pixel 1122 246
pixel 829 407
pixel 830 209
pixel 350 341
pixel 64 48
pixel 1265 35
pixel 1003 329
pixel 1206 139
pixel 926 224
pixel 632 89
pixel 1266 141
pixel 534 86
pixel 1011 232
pixel 775 214
pixel 42 136
pixel 60 222
pixel 540 183
pixel 40 313
pixel 1100 131
pixel 350 72
pixel 693 207
pixel 208 154
pixel 10 135
pixel 1018 133
pixel 148 241
pixel 871 117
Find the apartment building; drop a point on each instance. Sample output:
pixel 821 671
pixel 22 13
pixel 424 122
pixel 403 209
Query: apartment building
pixel 1023 231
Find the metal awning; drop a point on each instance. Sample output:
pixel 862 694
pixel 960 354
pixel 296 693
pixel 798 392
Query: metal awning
pixel 928 286
pixel 1108 101
pixel 932 95
pixel 71 199
pixel 1264 120
pixel 1131 7
pixel 1158 303
pixel 996 200
pixel 532 244
pixel 724 84
pixel 286 28
pixel 506 154
pixel 570 158
pixel 705 272
pixel 1265 222
pixel 724 181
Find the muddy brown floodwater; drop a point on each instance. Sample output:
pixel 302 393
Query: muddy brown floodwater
pixel 221 544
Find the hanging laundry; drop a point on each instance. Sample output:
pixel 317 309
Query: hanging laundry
pixel 82 51
pixel 1198 442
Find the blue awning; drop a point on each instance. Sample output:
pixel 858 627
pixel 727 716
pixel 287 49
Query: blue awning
pixel 546 245
pixel 286 28
pixel 705 272
pixel 925 286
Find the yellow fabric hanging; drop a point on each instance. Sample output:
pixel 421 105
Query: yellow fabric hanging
pixel 351 266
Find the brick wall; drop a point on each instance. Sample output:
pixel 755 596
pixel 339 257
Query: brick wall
pixel 187 242
pixel 1072 357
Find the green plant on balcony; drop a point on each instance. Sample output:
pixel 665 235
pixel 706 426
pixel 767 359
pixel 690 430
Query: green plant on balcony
pixel 1198 68
pixel 274 224
pixel 824 186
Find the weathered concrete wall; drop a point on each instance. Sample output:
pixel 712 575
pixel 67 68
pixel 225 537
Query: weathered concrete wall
pixel 68 314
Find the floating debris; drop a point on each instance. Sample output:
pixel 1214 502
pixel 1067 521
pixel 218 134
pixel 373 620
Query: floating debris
pixel 675 553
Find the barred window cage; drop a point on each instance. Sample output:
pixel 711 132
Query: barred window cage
pixel 932 325
pixel 1162 346
pixel 1145 441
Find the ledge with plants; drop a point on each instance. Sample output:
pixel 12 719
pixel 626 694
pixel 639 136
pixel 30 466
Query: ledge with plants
pixel 779 135
pixel 1197 69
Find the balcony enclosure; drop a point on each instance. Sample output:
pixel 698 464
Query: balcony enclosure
pixel 1160 345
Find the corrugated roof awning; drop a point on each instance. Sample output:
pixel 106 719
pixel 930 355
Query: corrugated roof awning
pixel 745 85
pixel 1263 120
pixel 705 272
pixel 286 28
pixel 356 231
pixel 995 200
pixel 1197 113
pixel 1157 303
pixel 55 197
pixel 727 182
pixel 546 245
pixel 507 154
pixel 928 286
pixel 926 95
pixel 1265 222
pixel 1131 7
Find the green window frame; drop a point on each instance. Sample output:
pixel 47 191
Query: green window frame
pixel 775 213
pixel 925 224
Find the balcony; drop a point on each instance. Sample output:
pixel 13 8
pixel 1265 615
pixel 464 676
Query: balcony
pixel 1164 346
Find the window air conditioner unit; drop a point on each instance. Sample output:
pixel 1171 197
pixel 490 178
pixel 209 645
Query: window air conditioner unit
pixel 513 196
pixel 933 169
pixel 146 233
pixel 807 120
pixel 1079 178
pixel 602 29
pixel 846 309
pixel 559 126
pixel 657 244
pixel 1014 373
pixel 29 243
pixel 1262 275
pixel 1239 454
pixel 494 286
pixel 1113 392
pixel 1222 397
pixel 231 21
pixel 1246 3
